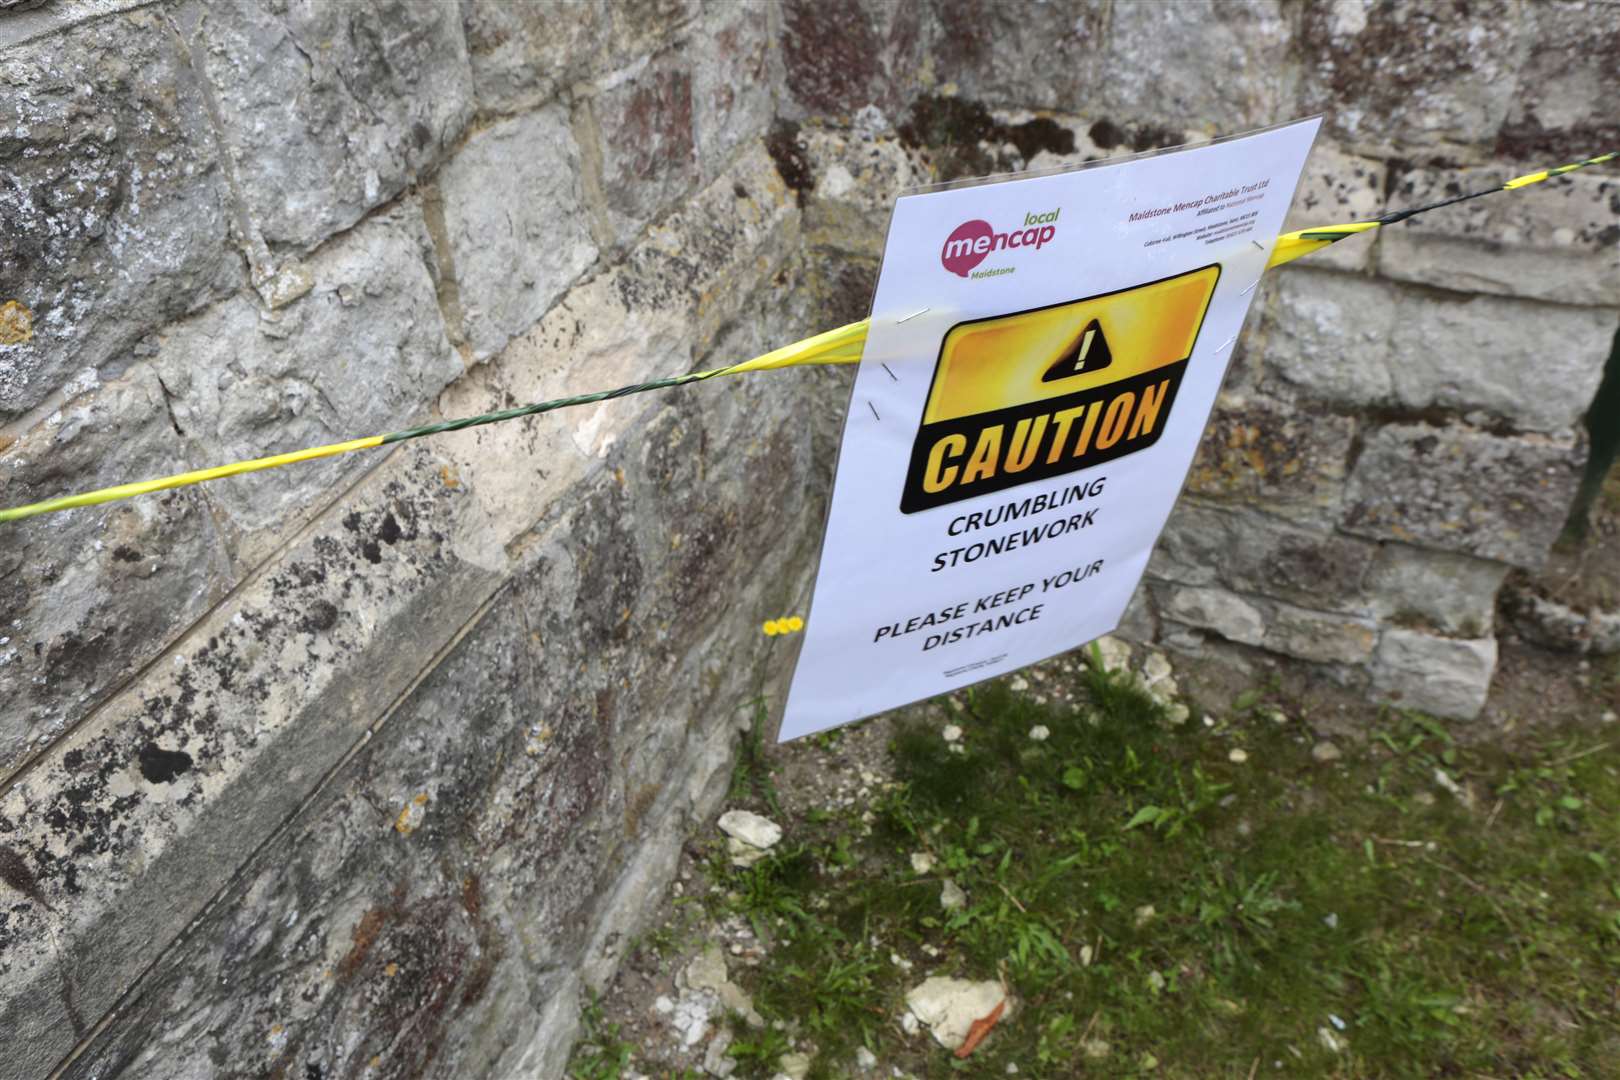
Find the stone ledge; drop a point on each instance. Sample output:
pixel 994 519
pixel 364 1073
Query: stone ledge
pixel 1557 241
pixel 1355 343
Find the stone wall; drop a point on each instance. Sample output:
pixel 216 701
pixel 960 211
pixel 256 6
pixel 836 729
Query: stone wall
pixel 370 767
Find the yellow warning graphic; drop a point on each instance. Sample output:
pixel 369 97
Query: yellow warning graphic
pixel 1039 393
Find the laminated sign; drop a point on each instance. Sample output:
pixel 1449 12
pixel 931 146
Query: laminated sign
pixel 1042 358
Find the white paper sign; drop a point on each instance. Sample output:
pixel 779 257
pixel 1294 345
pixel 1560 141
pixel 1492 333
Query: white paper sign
pixel 1042 359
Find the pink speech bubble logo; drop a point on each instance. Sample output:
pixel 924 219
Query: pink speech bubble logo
pixel 967 246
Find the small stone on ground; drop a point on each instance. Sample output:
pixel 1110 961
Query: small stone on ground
pixel 949 1006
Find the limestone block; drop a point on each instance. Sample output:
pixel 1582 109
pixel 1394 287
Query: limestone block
pixel 1327 335
pixel 328 110
pixel 1460 490
pixel 524 54
pixel 1411 75
pixel 1214 609
pixel 1199 63
pixel 1451 594
pixel 362 353
pixel 112 201
pixel 1322 637
pixel 1260 556
pixel 1562 104
pixel 1337 187
pixel 1354 342
pixel 516 233
pixel 732 81
pixel 90 595
pixel 1445 677
pixel 1015 54
pixel 1288 460
pixel 1534 366
pixel 1558 240
pixel 648 145
pixel 841 55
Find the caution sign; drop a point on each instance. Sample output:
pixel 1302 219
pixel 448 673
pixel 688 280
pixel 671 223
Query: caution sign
pixel 1041 361
pixel 1039 393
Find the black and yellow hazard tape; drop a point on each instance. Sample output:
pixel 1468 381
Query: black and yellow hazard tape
pixel 1292 245
pixel 840 346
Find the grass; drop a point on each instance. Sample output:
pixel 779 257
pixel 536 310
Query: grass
pixel 1419 908
pixel 599 1054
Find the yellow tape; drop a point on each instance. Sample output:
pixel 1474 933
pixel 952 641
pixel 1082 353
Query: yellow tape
pixel 1292 245
pixel 146 487
pixel 840 346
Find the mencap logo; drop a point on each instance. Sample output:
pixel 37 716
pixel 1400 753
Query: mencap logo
pixel 971 241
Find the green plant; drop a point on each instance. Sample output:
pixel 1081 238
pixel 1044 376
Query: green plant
pixel 599 1054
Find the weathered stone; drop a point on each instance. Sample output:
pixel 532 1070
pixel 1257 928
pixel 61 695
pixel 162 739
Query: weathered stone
pixel 1459 490
pixel 648 145
pixel 1411 75
pixel 1327 335
pixel 1015 55
pixel 857 181
pixel 509 258
pixel 1252 553
pixel 1173 63
pixel 1321 637
pixel 525 54
pixel 29 20
pixel 750 828
pixel 1557 241
pixel 1337 187
pixel 364 352
pixel 327 110
pixel 1214 609
pixel 292 665
pixel 1560 108
pixel 1352 343
pixel 732 81
pixel 1556 625
pixel 949 1006
pixel 111 198
pixel 1454 595
pixel 91 594
pixel 1534 366
pixel 1259 452
pixel 1442 676
pixel 841 55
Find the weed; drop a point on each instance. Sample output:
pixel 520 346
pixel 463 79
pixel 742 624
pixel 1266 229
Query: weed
pixel 751 775
pixel 599 1054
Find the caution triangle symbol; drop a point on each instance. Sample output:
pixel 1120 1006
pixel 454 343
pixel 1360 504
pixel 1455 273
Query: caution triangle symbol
pixel 1090 352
